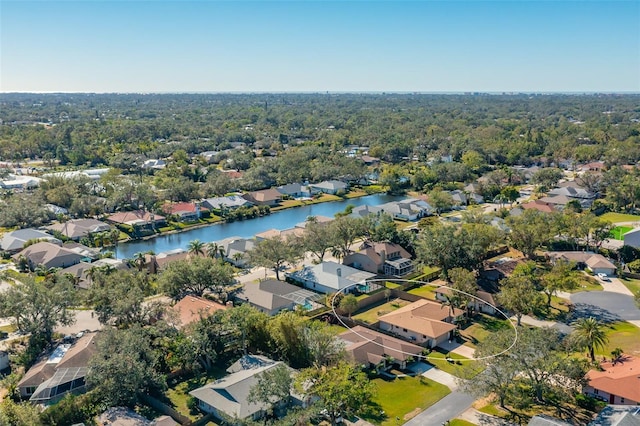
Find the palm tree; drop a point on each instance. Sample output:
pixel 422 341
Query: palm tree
pixel 215 251
pixel 196 247
pixel 139 259
pixel 589 334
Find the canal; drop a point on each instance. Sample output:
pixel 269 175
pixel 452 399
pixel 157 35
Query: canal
pixel 248 228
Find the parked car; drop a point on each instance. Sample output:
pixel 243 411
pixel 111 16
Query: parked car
pixel 603 277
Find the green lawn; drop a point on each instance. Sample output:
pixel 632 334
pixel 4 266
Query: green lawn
pixel 178 394
pixel 336 329
pixel 389 284
pixel 619 231
pixel 8 328
pixel 481 327
pixel 619 217
pixel 427 291
pixel 494 411
pixel 622 335
pixel 632 284
pixel 460 422
pixel 405 397
pixel 465 368
pixel 371 315
pixel 587 283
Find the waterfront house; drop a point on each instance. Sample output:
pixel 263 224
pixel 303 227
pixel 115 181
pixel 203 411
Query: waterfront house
pixel 59 372
pixel 365 210
pixel 236 250
pixel 296 190
pixel 227 202
pixel 266 197
pixel 423 322
pixel 330 187
pixel 185 212
pixel 138 219
pixel 330 277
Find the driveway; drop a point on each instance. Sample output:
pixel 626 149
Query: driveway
pixel 449 407
pixel 85 320
pixel 604 305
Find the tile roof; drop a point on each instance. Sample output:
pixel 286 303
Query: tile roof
pixel 191 308
pixel 134 217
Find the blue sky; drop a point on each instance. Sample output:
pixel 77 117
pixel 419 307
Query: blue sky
pixel 309 46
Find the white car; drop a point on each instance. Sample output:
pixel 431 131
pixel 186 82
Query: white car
pixel 603 277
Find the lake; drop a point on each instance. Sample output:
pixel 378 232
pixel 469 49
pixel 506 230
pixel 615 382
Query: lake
pixel 284 219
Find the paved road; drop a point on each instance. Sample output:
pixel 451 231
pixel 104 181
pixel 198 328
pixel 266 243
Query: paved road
pixel 449 407
pixel 605 305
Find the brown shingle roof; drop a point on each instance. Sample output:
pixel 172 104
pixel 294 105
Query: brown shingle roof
pixel 134 217
pixel 423 317
pixel 365 344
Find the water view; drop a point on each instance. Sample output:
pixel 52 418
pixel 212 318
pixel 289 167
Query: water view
pixel 280 220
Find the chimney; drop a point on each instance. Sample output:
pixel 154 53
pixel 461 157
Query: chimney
pixel 339 272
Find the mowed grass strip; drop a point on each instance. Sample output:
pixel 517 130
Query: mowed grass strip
pixel 619 217
pixel 623 335
pixel 405 396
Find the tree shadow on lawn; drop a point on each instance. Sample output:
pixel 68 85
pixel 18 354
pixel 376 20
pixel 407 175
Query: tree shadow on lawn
pixel 585 310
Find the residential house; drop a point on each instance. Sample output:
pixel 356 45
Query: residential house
pixel 385 257
pixel 374 349
pixel 272 296
pixel 121 416
pixel 228 396
pixel 20 182
pixel 15 241
pixel 138 219
pixel 296 190
pixel 616 382
pixel 410 209
pixel 484 303
pixel 277 233
pixel 266 197
pixel 424 322
pixel 154 164
pixel 330 187
pixel 185 212
pixel 190 309
pixel 88 252
pixel 558 202
pixel 596 263
pixel 56 209
pixel 330 277
pixel 78 228
pixel 573 190
pixel 318 219
pixel 49 255
pixel 365 210
pixel 632 238
pixel 370 161
pixel 60 372
pixel 459 197
pixel 539 205
pixel 617 415
pixel 236 250
pixel 155 263
pixel 594 166
pixel 228 202
pixel 82 272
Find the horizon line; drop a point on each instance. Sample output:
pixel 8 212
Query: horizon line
pixel 330 92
